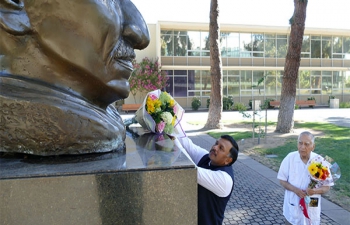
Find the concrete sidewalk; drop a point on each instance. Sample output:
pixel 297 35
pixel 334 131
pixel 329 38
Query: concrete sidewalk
pixel 258 196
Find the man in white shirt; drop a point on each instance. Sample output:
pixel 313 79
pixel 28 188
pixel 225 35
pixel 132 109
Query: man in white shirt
pixel 294 177
pixel 215 177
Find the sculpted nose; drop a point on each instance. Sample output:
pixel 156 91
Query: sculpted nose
pixel 135 29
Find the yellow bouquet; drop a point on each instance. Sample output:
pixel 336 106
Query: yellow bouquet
pixel 159 113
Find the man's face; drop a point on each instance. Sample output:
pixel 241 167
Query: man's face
pixel 305 146
pixel 90 44
pixel 219 153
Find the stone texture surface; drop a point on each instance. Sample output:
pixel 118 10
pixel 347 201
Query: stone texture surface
pixel 141 186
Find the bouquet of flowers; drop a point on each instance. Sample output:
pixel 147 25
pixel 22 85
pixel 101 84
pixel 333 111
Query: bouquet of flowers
pixel 321 172
pixel 159 113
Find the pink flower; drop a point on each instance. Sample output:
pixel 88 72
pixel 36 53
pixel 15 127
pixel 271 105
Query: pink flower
pixel 175 109
pixel 160 126
pixel 153 97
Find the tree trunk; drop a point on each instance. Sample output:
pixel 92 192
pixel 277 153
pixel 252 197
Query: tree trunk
pixel 285 121
pixel 215 107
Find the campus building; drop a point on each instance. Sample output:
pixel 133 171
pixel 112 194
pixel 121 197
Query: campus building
pixel 250 53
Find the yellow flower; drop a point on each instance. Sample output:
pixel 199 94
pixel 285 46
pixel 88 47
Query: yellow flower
pixel 312 169
pixel 173 121
pixel 150 105
pixel 172 103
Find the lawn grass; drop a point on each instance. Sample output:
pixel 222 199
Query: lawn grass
pixel 335 143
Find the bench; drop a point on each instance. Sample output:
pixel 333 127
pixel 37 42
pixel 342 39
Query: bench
pixel 130 107
pixel 299 103
pixel 275 104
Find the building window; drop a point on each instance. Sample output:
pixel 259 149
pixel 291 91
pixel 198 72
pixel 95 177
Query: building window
pixel 282 46
pixel 315 47
pixel 305 48
pixel 270 46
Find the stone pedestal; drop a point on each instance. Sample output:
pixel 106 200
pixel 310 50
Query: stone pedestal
pixel 153 182
pixel 334 103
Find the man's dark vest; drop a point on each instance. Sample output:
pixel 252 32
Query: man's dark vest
pixel 211 208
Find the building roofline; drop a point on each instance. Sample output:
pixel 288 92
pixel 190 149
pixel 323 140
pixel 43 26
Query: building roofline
pixel 250 28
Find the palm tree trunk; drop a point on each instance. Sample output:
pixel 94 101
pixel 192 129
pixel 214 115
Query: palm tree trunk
pixel 285 123
pixel 215 107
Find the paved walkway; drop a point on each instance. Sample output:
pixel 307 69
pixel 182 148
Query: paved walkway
pixel 258 196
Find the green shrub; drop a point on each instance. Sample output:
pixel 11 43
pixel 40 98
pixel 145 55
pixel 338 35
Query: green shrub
pixel 344 105
pixel 296 106
pixel 227 103
pixel 196 103
pixel 267 104
pixel 239 106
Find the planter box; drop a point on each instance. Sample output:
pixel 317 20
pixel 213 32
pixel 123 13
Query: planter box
pixel 334 103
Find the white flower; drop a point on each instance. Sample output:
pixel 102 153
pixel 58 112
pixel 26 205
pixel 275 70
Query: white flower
pixel 166 117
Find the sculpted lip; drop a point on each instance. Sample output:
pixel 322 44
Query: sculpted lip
pixel 124 54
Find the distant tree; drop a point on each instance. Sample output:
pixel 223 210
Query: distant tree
pixel 285 123
pixel 215 107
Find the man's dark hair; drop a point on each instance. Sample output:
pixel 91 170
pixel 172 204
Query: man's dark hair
pixel 234 150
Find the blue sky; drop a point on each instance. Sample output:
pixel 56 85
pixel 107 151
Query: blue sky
pixel 320 13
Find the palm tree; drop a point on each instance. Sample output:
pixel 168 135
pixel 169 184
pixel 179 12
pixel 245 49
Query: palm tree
pixel 215 107
pixel 285 121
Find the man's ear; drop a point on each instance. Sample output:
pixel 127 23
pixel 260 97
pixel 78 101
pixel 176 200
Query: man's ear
pixel 13 17
pixel 228 160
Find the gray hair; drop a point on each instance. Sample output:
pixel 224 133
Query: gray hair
pixel 307 133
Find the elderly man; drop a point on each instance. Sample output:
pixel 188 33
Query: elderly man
pixel 62 65
pixel 294 177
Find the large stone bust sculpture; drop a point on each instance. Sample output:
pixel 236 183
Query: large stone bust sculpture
pixel 63 64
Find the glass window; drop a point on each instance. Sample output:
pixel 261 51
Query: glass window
pixel 270 48
pixel 246 79
pixel 232 86
pixel 316 84
pixel 167 45
pixel 223 44
pixel 206 80
pixel 305 48
pixel 194 38
pixel 315 47
pixel 282 46
pixel 279 77
pixel 337 80
pixel 347 82
pixel 205 44
pixel 170 83
pixel 180 86
pixel 180 44
pixel 194 80
pixel 270 83
pixel 346 47
pixel 258 45
pixel 326 47
pixel 233 45
pixel 245 45
pixel 326 85
pixel 233 72
pixel 304 79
